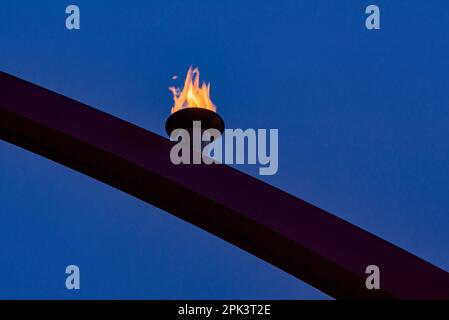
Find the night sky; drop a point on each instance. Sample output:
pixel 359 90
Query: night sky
pixel 363 119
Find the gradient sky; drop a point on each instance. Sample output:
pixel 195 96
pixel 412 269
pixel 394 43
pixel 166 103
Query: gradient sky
pixel 363 120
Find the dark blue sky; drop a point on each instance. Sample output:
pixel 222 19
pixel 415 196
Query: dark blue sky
pixel 363 119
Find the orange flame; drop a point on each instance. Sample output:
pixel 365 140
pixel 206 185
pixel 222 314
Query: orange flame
pixel 192 95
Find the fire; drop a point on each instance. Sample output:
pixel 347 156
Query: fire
pixel 192 95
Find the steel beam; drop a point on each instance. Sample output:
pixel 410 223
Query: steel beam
pixel 305 241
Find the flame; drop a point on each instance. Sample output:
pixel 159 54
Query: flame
pixel 192 95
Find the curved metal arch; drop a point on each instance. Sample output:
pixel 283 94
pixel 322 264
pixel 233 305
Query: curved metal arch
pixel 305 241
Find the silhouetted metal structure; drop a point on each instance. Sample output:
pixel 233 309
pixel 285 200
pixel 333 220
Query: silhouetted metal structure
pixel 307 242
